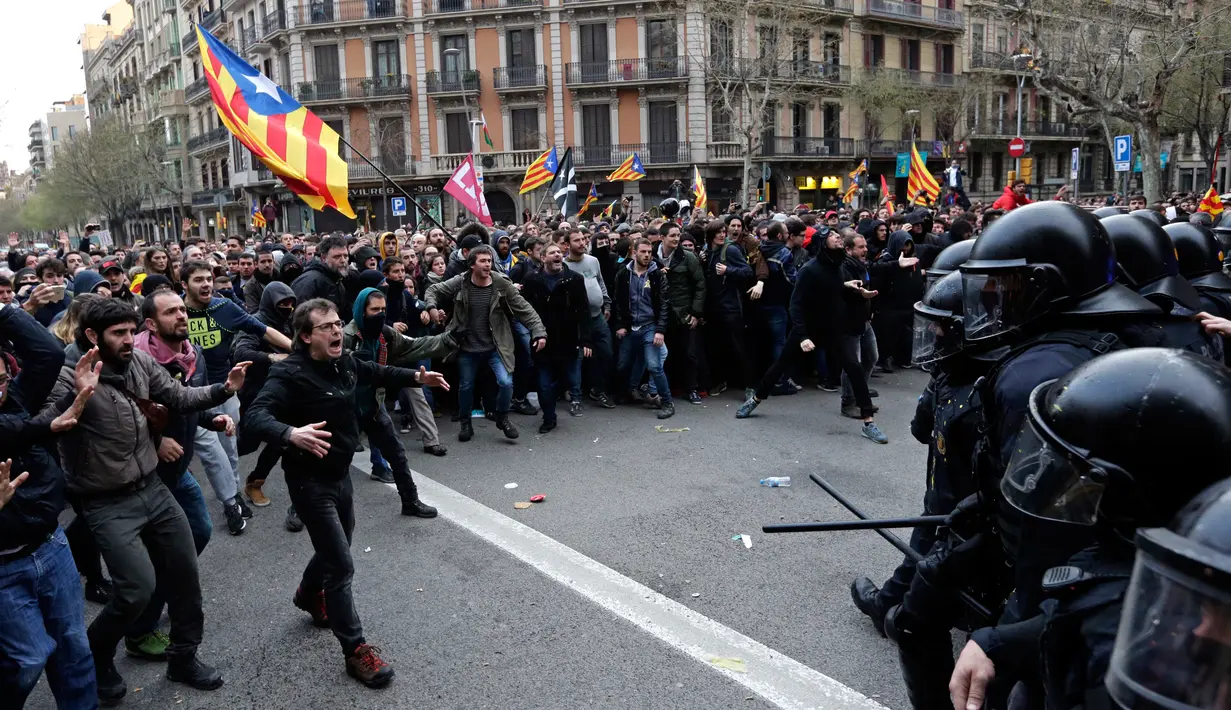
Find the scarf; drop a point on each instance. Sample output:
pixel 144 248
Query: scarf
pixel 185 358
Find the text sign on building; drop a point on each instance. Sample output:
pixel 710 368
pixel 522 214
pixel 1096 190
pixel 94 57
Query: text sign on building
pixel 1123 155
pixel 397 206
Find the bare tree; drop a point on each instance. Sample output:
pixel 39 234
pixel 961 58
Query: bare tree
pixel 1118 60
pixel 1197 107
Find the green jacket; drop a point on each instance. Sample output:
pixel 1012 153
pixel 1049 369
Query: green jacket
pixel 401 351
pixel 507 306
pixel 685 285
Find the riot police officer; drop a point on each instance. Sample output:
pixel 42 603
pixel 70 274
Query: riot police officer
pixel 1089 461
pixel 1153 215
pixel 1146 263
pixel 1200 258
pixel 947 261
pixel 1104 212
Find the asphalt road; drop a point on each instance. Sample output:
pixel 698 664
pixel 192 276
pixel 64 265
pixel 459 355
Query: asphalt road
pixel 469 625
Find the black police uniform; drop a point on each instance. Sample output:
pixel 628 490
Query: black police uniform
pixel 1199 255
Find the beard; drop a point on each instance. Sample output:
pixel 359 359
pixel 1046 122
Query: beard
pixel 117 360
pixel 173 337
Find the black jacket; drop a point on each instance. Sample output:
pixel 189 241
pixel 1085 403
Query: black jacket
pixel 182 425
pixel 319 281
pixel 302 391
pixel 621 315
pixel 818 304
pixel 723 293
pixel 899 288
pixel 522 270
pixel 858 308
pixel 250 348
pixel 564 310
pixel 33 512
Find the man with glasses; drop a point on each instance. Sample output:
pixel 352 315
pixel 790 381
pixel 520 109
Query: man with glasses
pixel 309 405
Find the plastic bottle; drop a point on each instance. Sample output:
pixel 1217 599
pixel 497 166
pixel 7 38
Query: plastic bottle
pixel 776 481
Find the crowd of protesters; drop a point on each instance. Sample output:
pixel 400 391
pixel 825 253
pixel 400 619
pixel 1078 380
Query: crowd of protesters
pixel 119 365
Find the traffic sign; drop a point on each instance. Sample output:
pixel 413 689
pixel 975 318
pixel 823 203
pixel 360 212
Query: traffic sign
pixel 397 206
pixel 1017 147
pixel 1123 156
pixel 1076 164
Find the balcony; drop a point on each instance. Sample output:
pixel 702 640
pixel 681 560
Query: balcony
pixel 799 70
pixel 196 90
pixel 168 6
pixel 209 139
pixel 274 23
pixel 517 78
pixel 210 20
pixel 803 147
pixel 452 82
pixel 914 13
pixel 993 60
pixel 329 12
pixel 188 43
pixel 513 161
pixel 358 89
pixel 359 169
pixel 442 7
pixel 626 71
pixel 134 34
pixel 170 103
pixel 879 147
pixel 650 154
pixel 1034 129
pixel 940 80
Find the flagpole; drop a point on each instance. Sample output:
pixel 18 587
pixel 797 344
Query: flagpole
pixel 395 186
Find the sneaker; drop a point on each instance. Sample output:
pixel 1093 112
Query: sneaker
pixel 873 432
pixel 636 397
pixel 794 384
pixel 193 672
pixel 111 687
pixel 749 392
pixel 506 426
pixel 405 428
pixel 98 590
pixel 852 410
pixel 574 408
pixel 436 450
pixel 293 523
pixel 873 393
pixel 367 667
pixel 149 647
pixel 867 600
pixel 694 398
pixel 235 518
pixel 654 401
pixel 547 426
pixel 603 400
pixel 718 389
pixel 466 432
pixel 314 604
pixel 384 475
pixel 521 406
pixel 826 387
pixel 745 409
pixel 254 494
pixel 418 509
pixel 667 410
pixel 244 510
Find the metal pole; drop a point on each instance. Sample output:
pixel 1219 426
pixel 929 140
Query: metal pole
pixel 393 184
pixel 1021 80
pixel 885 523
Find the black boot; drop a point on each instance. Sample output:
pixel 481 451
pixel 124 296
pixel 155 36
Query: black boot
pixel 926 657
pixel 418 508
pixel 98 590
pixel 111 687
pixel 506 426
pixel 867 599
pixel 466 432
pixel 189 670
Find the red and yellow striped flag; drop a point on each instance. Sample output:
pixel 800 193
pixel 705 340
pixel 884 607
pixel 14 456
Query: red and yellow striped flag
pixel 701 198
pixel 630 169
pixel 540 172
pixel 289 139
pixel 1211 202
pixel 920 179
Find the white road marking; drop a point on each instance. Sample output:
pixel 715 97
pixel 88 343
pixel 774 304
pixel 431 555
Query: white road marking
pixel 781 680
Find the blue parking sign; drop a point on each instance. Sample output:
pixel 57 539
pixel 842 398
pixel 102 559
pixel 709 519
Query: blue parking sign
pixel 1123 156
pixel 397 206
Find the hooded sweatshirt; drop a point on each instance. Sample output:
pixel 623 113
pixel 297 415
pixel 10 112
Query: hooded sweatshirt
pixel 370 347
pixel 87 281
pixel 781 273
pixel 899 288
pixel 1010 200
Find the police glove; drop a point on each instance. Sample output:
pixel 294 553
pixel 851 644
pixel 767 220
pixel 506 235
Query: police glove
pixel 972 515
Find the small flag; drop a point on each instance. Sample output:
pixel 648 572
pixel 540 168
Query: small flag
pixel 590 198
pixel 610 210
pixel 861 170
pixel 630 169
pixel 886 195
pixel 464 187
pixel 258 218
pixel 564 185
pixel 487 137
pixel 849 197
pixel 540 172
pixel 920 179
pixel 1211 202
pixel 701 200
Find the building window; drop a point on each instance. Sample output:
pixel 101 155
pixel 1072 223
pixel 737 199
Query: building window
pixel 720 125
pixel 592 52
pixel 525 126
pixel 799 120
pixel 325 64
pixel 457 132
pixel 874 51
pixel 55 133
pixel 831 49
pixel 72 131
pixel 385 59
pixel 224 172
pixel 976 38
pixel 910 54
pixel 722 43
pixel 454 64
pixel 520 47
pixel 391 137
pixel 831 120
pixel 596 132
pixel 944 58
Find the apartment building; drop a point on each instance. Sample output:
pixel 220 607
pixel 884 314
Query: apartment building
pixel 62 123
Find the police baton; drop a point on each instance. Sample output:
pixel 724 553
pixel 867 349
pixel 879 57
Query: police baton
pixel 869 524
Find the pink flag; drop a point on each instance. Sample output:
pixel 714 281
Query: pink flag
pixel 464 187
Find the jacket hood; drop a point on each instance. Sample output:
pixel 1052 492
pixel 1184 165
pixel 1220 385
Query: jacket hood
pixel 370 278
pixel 897 242
pixel 770 247
pixel 362 254
pixel 361 302
pixel 315 265
pixel 290 268
pixel 86 282
pixel 274 293
pixel 867 228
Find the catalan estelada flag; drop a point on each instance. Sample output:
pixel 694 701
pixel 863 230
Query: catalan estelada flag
pixel 862 169
pixel 630 169
pixel 1211 202
pixel 289 139
pixel 850 193
pixel 701 199
pixel 610 210
pixel 920 179
pixel 258 218
pixel 541 171
pixel 590 198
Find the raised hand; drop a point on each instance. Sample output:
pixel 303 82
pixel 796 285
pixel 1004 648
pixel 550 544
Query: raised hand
pixel 432 379
pixel 9 488
pixel 88 368
pixel 235 378
pixel 312 438
pixel 68 419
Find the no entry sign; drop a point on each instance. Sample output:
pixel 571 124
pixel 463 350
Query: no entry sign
pixel 1017 147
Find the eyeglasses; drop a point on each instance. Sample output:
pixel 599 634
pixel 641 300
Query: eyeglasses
pixel 331 325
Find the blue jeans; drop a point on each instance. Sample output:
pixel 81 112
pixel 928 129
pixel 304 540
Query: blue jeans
pixel 467 365
pixel 637 353
pixel 42 627
pixel 523 366
pixel 549 375
pixel 777 322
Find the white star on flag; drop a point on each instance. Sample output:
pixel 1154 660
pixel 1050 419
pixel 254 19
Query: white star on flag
pixel 264 86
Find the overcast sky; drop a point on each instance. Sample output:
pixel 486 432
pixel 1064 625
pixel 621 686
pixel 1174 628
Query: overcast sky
pixel 41 63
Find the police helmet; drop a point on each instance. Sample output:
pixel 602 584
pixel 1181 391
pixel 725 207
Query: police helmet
pixel 1105 212
pixel 1095 448
pixel 947 261
pixel 669 207
pixel 1173 649
pixel 1200 256
pixel 938 321
pixel 1153 215
pixel 1043 258
pixel 1146 262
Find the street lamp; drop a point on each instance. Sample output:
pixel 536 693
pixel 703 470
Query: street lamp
pixel 1020 59
pixel 912 112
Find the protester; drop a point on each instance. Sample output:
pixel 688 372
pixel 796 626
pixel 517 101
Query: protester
pixel 560 298
pixel 640 313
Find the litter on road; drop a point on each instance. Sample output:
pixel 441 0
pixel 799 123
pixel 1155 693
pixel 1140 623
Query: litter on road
pixel 522 505
pixel 667 430
pixel 731 664
pixel 538 498
pixel 510 486
pixel 745 538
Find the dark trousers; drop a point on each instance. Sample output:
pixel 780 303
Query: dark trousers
pixel 147 543
pixel 728 350
pixel 683 344
pixel 265 462
pixel 596 367
pixel 384 438
pixel 895 588
pixel 894 335
pixel 553 371
pixel 523 362
pixel 793 356
pixel 86 556
pixel 327 509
